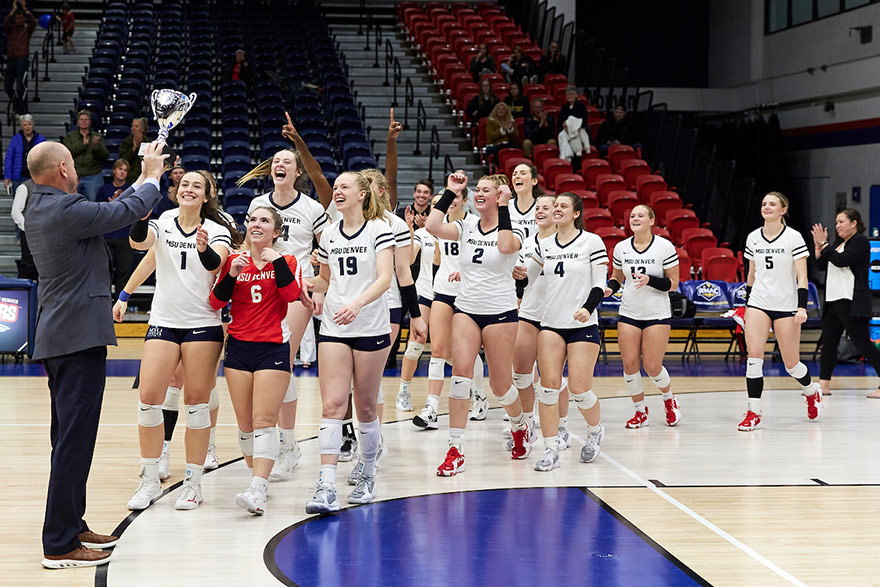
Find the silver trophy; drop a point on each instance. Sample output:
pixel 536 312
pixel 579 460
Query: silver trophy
pixel 169 108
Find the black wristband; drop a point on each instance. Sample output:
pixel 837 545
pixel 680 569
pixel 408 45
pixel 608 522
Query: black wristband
pixel 209 258
pixel 660 283
pixel 411 300
pixel 445 201
pixel 614 286
pixel 803 297
pixel 224 287
pixel 748 292
pixel 504 218
pixel 283 274
pixel 138 231
pixel 593 300
pixel 521 285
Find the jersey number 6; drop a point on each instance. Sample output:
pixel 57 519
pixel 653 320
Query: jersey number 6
pixel 256 294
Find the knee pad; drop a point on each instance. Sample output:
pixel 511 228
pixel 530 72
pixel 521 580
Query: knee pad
pixel 246 443
pixel 265 443
pixel 380 398
pixel 214 400
pixel 585 400
pixel 291 394
pixel 662 380
pixel 330 436
pixel 460 388
pixel 172 399
pixel 150 416
pixel 413 350
pixel 633 383
pixel 437 369
pixel 509 398
pixel 799 371
pixel 549 397
pixel 522 380
pixel 198 416
pixel 754 368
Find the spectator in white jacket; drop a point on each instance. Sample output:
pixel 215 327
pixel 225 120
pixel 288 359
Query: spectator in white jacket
pixel 26 267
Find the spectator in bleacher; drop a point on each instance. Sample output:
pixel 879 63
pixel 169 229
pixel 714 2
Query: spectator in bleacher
pixel 482 62
pixel 26 267
pixel 519 104
pixel 19 25
pixel 68 25
pixel 121 253
pixel 89 153
pixel 240 69
pixel 20 145
pixel 540 128
pixel 847 294
pixel 617 129
pixel 421 205
pixel 553 61
pixel 131 145
pixel 573 137
pixel 501 130
pixel 481 105
pixel 520 67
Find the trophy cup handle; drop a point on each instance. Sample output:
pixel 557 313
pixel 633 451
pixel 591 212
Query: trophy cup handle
pixel 153 103
pixel 190 100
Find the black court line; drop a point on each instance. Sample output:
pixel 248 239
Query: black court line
pixel 647 539
pixel 656 483
pixel 820 482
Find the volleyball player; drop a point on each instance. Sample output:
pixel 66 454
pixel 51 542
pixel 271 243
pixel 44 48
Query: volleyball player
pixel 777 293
pixel 575 265
pixel 424 250
pixel 190 248
pixel 485 308
pixel 524 180
pixel 356 264
pixel 647 266
pixel 446 288
pixel 261 283
pixel 304 219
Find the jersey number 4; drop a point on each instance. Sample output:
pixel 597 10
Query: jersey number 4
pixel 559 270
pixel 349 265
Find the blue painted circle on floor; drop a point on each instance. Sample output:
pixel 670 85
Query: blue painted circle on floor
pixel 548 536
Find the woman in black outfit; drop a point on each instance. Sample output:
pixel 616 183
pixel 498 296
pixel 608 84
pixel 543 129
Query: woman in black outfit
pixel 847 297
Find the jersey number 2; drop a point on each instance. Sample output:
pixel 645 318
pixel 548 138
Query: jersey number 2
pixel 478 254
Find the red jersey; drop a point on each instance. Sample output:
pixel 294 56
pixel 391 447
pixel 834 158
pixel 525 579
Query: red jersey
pixel 259 306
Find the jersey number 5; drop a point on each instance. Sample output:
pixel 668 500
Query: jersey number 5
pixel 768 260
pixel 351 263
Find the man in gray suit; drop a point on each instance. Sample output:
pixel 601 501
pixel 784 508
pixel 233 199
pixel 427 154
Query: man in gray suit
pixel 74 325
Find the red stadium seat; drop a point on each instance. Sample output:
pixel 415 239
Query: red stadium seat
pixel 493 78
pixel 630 169
pixel 663 202
pixel 646 184
pixel 678 220
pixel 620 202
pixel 596 218
pixel 554 167
pixel 511 163
pixel 592 168
pixel 501 89
pixel 659 231
pixel 694 240
pixel 605 183
pixel 719 263
pixel 505 154
pixel 618 153
pixel 568 182
pixel 684 264
pixel 544 152
pixel 610 236
pixel 588 198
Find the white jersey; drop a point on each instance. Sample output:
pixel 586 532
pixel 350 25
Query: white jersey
pixel 183 285
pixel 534 298
pixel 402 238
pixel 428 244
pixel 645 303
pixel 775 286
pixel 487 285
pixel 571 271
pixel 175 212
pixel 450 252
pixel 304 219
pixel 352 263
pixel 524 219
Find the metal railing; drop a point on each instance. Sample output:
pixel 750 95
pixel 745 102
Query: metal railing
pixel 435 151
pixel 421 124
pixel 35 73
pixel 377 44
pixel 389 60
pixel 398 78
pixel 49 45
pixel 448 166
pixel 409 100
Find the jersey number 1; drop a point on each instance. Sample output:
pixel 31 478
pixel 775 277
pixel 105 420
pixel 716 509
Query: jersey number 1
pixel 183 260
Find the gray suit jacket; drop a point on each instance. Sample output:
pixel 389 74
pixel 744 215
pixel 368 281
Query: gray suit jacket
pixel 65 237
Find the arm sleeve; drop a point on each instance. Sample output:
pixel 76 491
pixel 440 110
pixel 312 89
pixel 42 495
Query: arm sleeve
pixel 287 277
pixel 100 151
pixel 221 293
pixel 74 144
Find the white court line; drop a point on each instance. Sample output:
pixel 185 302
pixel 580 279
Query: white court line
pixel 752 553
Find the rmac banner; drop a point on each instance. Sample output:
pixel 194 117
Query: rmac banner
pixel 13 320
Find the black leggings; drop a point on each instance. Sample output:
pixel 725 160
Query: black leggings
pixel 835 320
